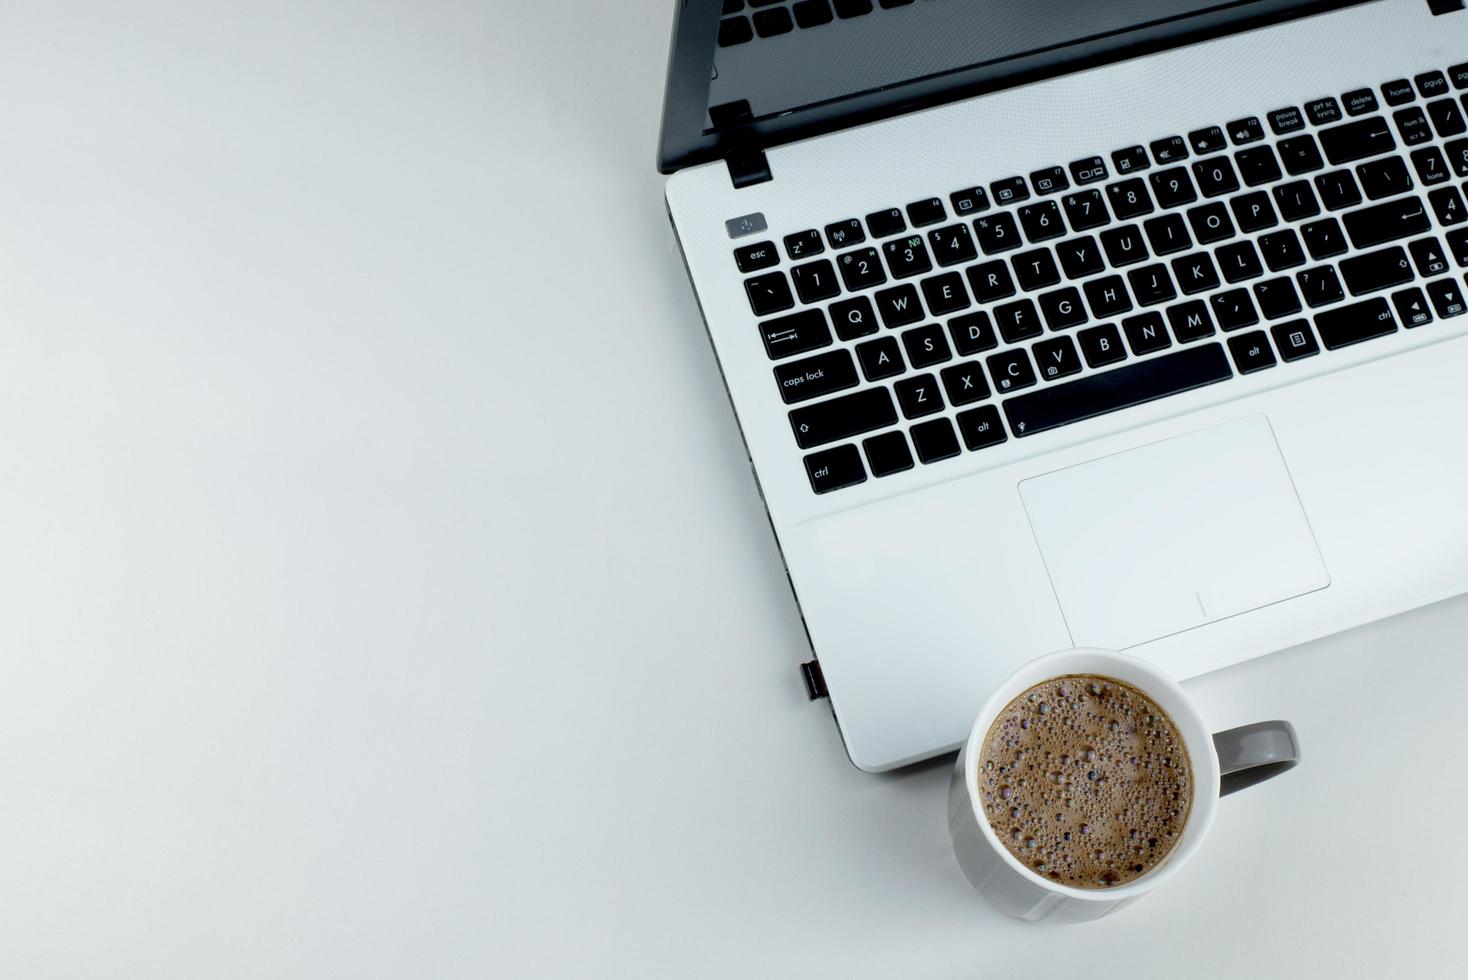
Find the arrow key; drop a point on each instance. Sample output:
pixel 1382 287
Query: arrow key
pixel 1429 255
pixel 1411 307
pixel 1447 298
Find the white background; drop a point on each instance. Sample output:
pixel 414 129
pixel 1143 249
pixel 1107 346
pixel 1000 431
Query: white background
pixel 384 592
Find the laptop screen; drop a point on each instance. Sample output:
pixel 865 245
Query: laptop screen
pixel 781 67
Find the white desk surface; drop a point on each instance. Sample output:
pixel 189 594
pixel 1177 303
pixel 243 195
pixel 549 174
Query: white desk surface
pixel 384 593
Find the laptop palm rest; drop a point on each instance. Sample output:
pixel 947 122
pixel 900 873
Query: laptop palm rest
pixel 1167 537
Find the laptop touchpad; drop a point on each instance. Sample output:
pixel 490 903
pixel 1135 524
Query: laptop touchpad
pixel 1160 539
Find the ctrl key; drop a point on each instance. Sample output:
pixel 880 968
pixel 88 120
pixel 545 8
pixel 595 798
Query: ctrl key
pixel 835 469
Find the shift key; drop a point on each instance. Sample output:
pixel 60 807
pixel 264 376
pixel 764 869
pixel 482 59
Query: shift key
pixel 1375 271
pixel 1353 324
pixel 842 418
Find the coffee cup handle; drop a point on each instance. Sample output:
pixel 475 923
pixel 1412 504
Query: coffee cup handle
pixel 1254 753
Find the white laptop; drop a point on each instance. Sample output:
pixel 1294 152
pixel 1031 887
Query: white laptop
pixel 1054 324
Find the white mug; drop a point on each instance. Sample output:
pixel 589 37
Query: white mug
pixel 1221 764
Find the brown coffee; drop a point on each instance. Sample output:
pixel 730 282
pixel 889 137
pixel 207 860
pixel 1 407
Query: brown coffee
pixel 1086 781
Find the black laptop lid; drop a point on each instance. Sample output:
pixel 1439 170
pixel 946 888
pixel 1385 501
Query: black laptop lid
pixel 752 73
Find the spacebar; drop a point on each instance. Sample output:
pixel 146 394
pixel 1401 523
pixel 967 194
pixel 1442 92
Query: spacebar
pixel 1145 381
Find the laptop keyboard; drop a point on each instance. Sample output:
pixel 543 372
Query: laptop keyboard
pixel 909 336
pixel 745 20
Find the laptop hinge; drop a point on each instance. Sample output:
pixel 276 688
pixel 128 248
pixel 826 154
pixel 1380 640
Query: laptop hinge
pixel 815 681
pixel 748 166
pixel 1446 6
pixel 746 159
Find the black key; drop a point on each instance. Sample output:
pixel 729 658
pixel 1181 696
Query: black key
pixel 880 359
pixel 1018 321
pixel 1233 309
pixel 1086 210
pixel 1011 370
pixel 1357 141
pixel 1129 198
pixel 1240 261
pixel 968 202
pixel 1190 321
pixel 1124 245
pixel 1412 307
pixel 1429 257
pixel 888 454
pixel 1057 358
pixel 1168 234
pixel 1323 112
pixel 1398 92
pixel 1152 285
pixel 1101 345
pixel 804 245
pixel 973 333
pixel 812 13
pixel 1412 124
pixel 1130 160
pixel 1195 273
pixel 965 383
pixel 861 269
pixel 926 346
pixel 1458 75
pixel 1324 239
pixel 1080 257
pixel 769 293
pixel 1296 200
pixel 1216 176
pixel 1375 271
pixel 794 334
pixel 1338 190
pixel 1389 222
pixel 1244 131
pixel 1211 223
pixel 1360 101
pixel 1010 190
pixel 1108 296
pixel 844 233
pixel 1036 269
pixel 1286 120
pixel 1457 153
pixel 1146 333
pixel 928 212
pixel 981 428
pixel 907 257
pixel 1447 204
pixel 1119 388
pixel 1447 117
pixel 935 441
pixel 1281 250
pixel 997 233
pixel 1300 155
pixel 1173 187
pixel 846 9
pixel 815 281
pixel 1042 221
pixel 899 306
pixel 816 377
pixel 843 417
pixel 918 396
pixel 834 469
pixel 991 281
pixel 1295 340
pixel 1258 165
pixel 945 294
pixel 1251 352
pixel 1169 150
pixel 1432 84
pixel 1353 324
pixel 1254 212
pixel 886 223
pixel 1447 298
pixel 1320 286
pixel 1205 141
pixel 752 258
pixel 1430 166
pixel 953 245
pixel 854 318
pixel 773 22
pixel 1089 170
pixel 1277 298
pixel 1063 309
pixel 734 30
pixel 1458 245
pixel 1049 181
